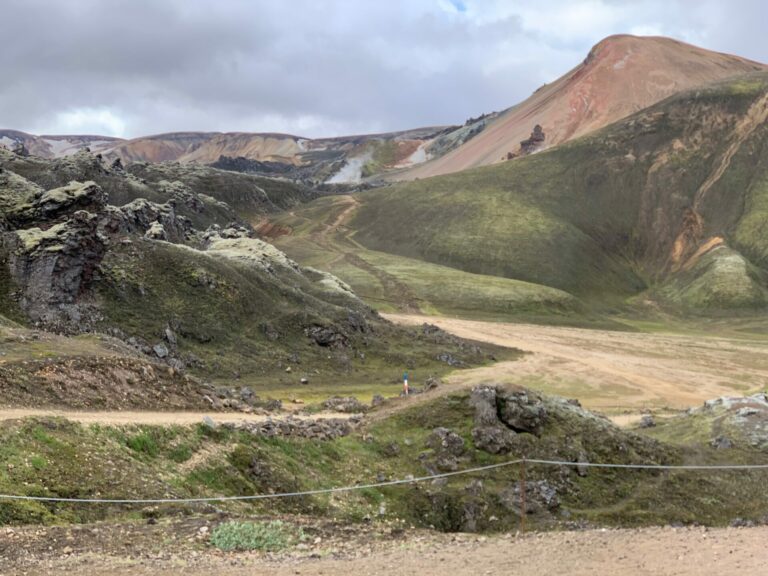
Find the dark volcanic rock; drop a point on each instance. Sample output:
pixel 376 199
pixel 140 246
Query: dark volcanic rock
pixel 483 400
pixel 320 429
pixel 446 440
pixel 647 421
pixel 500 414
pixel 52 206
pixel 54 267
pixel 721 443
pixel 447 447
pixel 143 216
pixel 348 404
pixel 534 142
pixel 493 439
pixel 328 336
pixel 522 411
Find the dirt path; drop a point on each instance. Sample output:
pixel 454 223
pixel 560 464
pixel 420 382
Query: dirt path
pixel 336 237
pixel 122 418
pixel 612 370
pixel 644 552
pixel 343 217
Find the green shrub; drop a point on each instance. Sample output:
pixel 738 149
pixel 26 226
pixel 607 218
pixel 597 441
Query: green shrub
pixel 144 443
pixel 181 453
pixel 267 536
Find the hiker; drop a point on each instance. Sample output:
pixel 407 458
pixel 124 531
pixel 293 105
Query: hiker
pixel 405 383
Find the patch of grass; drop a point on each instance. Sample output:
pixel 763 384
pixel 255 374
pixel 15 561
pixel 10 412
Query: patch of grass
pixel 180 453
pixel 38 462
pixel 143 443
pixel 265 536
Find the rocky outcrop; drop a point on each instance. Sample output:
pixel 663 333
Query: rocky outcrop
pixel 54 267
pixel 155 221
pixel 501 414
pixel 328 336
pixel 521 410
pixel 447 449
pixel 49 207
pixel 291 427
pixel 20 149
pixel 534 142
pixel 348 404
pixel 55 241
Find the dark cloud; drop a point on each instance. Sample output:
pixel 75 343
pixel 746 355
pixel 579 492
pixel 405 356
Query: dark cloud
pixel 314 68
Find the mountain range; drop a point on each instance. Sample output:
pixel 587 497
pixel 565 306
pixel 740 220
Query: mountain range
pixel 621 75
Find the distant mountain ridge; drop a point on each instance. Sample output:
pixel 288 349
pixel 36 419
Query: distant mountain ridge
pixel 56 146
pixel 324 157
pixel 621 75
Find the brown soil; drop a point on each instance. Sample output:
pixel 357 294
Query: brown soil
pixel 611 370
pixel 132 417
pixel 180 548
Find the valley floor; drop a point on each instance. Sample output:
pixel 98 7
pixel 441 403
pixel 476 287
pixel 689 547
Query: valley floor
pixel 648 551
pixel 613 371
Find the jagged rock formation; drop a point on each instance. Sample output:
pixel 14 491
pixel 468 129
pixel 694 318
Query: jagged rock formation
pixel 56 240
pixel 533 142
pixel 53 268
pixel 159 259
pixel 529 145
pixel 501 414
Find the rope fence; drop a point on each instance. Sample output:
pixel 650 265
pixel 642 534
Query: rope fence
pixel 409 480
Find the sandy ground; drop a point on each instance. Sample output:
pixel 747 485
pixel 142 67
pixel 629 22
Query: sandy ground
pixel 620 373
pixel 613 370
pixel 649 551
pixel 119 418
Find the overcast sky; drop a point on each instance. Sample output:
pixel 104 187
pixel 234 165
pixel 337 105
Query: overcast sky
pixel 316 67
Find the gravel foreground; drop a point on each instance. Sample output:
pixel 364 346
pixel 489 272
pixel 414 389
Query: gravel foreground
pixel 179 548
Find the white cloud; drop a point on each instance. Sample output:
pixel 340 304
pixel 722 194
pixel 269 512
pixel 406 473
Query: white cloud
pixel 646 30
pixel 316 68
pixel 101 121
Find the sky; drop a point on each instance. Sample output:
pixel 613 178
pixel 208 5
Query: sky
pixel 315 68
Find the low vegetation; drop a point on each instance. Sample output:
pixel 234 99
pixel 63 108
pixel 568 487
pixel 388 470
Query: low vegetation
pixel 266 536
pixel 50 457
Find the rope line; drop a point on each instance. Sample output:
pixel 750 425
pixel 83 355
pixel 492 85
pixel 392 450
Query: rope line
pixel 355 487
pixel 652 466
pixel 259 496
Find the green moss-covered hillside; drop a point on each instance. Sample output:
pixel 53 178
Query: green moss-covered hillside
pixel 610 215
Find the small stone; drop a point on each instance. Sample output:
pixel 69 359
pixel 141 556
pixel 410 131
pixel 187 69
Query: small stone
pixel 647 421
pixel 209 423
pixel 160 350
pixel 721 443
pixel 170 336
